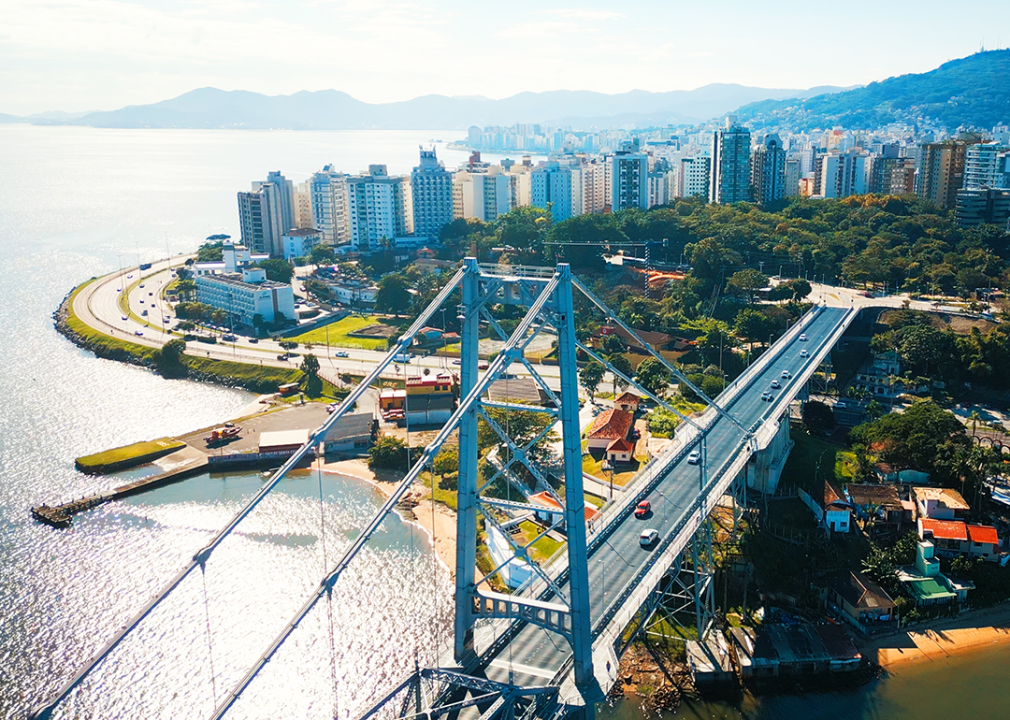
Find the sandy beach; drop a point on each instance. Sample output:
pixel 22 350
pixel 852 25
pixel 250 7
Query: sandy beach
pixel 436 519
pixel 969 631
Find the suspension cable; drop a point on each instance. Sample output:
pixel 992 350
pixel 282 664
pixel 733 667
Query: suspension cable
pixel 210 643
pixel 329 594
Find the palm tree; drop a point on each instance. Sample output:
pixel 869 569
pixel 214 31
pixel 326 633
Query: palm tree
pixel 974 419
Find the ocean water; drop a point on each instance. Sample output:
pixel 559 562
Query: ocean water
pixel 77 202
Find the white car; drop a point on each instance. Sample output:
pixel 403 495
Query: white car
pixel 767 396
pixel 340 354
pixel 694 457
pixel 648 538
pixel 785 374
pixel 803 337
pixel 775 385
pixel 804 353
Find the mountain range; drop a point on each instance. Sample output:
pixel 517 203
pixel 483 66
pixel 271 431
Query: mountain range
pixel 335 110
pixel 973 91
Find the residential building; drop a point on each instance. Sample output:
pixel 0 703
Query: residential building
pixel 431 191
pixel 939 503
pixel 903 177
pixel 830 507
pixel 881 168
pixel 482 195
pixel 594 187
pixel 303 206
pixel 247 295
pixel 330 214
pixel 284 198
pixel 620 451
pixel 879 505
pixel 783 650
pixel 986 166
pixel 513 572
pixel 695 176
pixel 628 402
pixel 608 426
pixel 982 205
pixel 380 209
pixel 299 242
pixel 520 183
pixel 552 511
pixel 557 187
pixel 955 537
pixel 924 582
pixel 843 174
pixel 941 172
pixel 862 599
pixel 260 219
pixel 730 181
pixel 792 178
pixel 629 178
pixel 353 292
pixel 768 170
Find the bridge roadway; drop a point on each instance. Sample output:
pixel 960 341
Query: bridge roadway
pixel 535 655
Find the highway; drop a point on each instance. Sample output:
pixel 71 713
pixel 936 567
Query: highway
pixel 536 654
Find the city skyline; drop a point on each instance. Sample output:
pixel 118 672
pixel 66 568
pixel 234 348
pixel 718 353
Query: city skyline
pixel 83 55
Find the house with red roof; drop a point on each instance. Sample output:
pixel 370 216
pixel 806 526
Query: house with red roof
pixel 609 426
pixel 628 402
pixel 956 537
pixel 620 451
pixel 551 510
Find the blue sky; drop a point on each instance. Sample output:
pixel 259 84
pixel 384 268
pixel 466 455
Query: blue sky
pixel 80 55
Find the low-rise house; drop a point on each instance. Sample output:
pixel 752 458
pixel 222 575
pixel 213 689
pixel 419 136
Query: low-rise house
pixel 777 650
pixel 955 537
pixel 924 582
pixel 829 506
pixel 628 402
pixel 879 502
pixel 608 426
pixel 939 503
pixel 551 510
pixel 620 451
pixel 862 599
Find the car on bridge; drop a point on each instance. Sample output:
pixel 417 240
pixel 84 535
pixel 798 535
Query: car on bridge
pixel 785 374
pixel 766 396
pixel 648 538
pixel 643 509
pixel 138 333
pixel 694 457
pixel 804 353
pixel 803 337
pixel 775 385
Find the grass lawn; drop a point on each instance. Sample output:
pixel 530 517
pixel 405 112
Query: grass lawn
pixel 802 468
pixel 127 455
pixel 339 337
pixel 542 548
pixel 592 462
pixel 446 497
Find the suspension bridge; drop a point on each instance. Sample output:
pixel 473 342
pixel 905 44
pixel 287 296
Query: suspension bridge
pixel 551 647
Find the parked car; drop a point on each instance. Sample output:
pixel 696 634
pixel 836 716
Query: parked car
pixel 648 538
pixel 636 434
pixel 643 508
pixel 694 457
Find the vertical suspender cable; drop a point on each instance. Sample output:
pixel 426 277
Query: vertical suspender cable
pixel 329 594
pixel 210 643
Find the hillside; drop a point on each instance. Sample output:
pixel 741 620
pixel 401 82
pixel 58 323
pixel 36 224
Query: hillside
pixel 334 110
pixel 972 91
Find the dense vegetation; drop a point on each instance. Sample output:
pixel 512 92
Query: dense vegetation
pixel 969 92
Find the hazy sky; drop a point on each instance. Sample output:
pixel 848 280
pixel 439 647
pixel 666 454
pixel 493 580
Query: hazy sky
pixel 80 55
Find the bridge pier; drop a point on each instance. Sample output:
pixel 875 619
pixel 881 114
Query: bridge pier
pixel 765 466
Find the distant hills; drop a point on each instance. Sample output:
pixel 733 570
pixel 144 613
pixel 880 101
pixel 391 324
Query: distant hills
pixel 973 91
pixel 335 110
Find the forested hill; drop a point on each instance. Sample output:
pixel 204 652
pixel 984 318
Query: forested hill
pixel 973 91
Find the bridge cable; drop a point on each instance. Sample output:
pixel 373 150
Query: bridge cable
pixel 434 560
pixel 210 640
pixel 329 593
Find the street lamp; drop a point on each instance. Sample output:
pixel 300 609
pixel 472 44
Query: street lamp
pixel 608 468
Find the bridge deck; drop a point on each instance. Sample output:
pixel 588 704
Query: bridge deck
pixel 535 654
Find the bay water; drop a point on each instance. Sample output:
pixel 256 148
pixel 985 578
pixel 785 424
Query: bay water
pixel 80 202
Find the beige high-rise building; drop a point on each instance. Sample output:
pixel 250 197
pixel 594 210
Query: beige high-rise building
pixel 941 172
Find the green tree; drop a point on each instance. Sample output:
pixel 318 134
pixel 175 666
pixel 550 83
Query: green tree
pixel 663 423
pixel 321 255
pixel 211 251
pixel 389 453
pixel 801 288
pixel 277 270
pixel 522 427
pixel 169 359
pixel 653 376
pixel 924 437
pixel 591 375
pixel 748 282
pixel 752 326
pixel 817 417
pixel 393 295
pixel 313 383
pixel 186 288
pixel 620 363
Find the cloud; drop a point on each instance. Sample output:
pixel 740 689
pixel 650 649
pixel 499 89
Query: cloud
pixel 582 14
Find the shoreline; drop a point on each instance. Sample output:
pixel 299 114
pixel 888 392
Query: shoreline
pixel 972 631
pixel 437 521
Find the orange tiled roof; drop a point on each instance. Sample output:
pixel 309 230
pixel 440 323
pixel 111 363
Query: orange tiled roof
pixel 985 534
pixel 611 425
pixel 945 529
pixel 627 398
pixel 620 445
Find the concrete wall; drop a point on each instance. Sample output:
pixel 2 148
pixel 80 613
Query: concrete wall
pixel 765 468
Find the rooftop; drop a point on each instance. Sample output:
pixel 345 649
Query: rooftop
pixel 621 445
pixel 522 390
pixel 302 232
pixel 627 398
pixel 832 495
pixel 985 534
pixel 237 281
pixel 861 592
pixel 945 497
pixel 886 496
pixel 611 425
pixel 944 529
pixel 929 589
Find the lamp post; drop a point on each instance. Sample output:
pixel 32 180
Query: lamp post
pixel 608 468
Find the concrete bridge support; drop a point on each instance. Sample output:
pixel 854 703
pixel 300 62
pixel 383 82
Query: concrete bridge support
pixel 765 466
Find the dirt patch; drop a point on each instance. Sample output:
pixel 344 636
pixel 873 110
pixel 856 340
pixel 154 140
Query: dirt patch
pixel 656 680
pixel 375 331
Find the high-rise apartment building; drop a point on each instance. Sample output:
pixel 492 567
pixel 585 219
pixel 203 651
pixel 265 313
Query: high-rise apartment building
pixel 730 180
pixel 330 212
pixel 431 191
pixel 629 178
pixel 283 195
pixel 941 172
pixel 986 166
pixel 262 217
pixel 792 179
pixel 303 206
pixel 380 208
pixel 558 187
pixel 695 176
pixel 482 195
pixel 843 174
pixel 768 170
pixel 594 186
pixel 975 206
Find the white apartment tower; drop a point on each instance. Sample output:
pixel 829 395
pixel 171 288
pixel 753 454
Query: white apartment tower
pixel 695 174
pixel 843 174
pixel 482 195
pixel 379 206
pixel 330 213
pixel 629 181
pixel 431 190
pixel 986 166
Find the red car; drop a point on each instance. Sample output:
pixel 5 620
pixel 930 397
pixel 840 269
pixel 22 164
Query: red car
pixel 642 509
